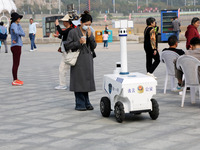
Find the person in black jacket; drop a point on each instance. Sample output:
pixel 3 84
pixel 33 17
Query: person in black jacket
pixel 63 34
pixel 173 44
pixel 150 46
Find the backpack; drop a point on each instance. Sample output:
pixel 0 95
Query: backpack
pixel 3 36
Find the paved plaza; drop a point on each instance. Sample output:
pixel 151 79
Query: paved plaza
pixel 37 117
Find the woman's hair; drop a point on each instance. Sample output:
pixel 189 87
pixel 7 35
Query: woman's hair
pixel 195 41
pixel 10 26
pixel 150 20
pixel 85 17
pixel 71 24
pixel 194 20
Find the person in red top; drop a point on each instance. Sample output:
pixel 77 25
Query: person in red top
pixel 192 31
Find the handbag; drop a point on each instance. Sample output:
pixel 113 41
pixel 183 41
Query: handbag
pixel 61 49
pixel 71 57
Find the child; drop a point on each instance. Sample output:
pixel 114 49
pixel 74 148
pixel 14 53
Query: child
pixel 105 39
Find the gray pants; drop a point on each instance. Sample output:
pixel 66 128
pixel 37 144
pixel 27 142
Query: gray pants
pixel 5 44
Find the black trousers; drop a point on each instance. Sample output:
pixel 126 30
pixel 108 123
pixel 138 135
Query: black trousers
pixel 16 51
pixel 152 61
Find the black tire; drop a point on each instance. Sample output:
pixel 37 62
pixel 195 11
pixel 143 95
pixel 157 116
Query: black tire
pixel 155 110
pixel 105 106
pixel 119 112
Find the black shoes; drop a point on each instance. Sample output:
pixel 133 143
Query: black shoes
pixel 90 107
pixel 81 109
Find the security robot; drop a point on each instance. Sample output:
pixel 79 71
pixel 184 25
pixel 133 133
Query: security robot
pixel 128 92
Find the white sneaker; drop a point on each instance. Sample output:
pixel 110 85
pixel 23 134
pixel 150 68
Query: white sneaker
pixel 151 75
pixel 35 49
pixel 31 50
pixel 60 87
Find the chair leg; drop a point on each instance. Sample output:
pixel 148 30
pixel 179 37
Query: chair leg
pixel 199 92
pixel 183 78
pixel 183 96
pixel 192 94
pixel 166 80
pixel 172 80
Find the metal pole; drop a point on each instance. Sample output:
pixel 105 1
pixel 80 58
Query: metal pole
pixel 194 2
pixel 79 8
pixel 167 2
pixel 50 6
pixel 89 5
pixel 59 6
pixel 147 3
pixel 185 2
pixel 114 6
pixel 137 5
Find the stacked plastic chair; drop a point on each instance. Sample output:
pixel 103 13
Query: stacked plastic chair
pixel 168 57
pixel 189 65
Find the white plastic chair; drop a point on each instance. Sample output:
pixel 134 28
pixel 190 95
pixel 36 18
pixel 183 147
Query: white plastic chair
pixel 168 57
pixel 189 66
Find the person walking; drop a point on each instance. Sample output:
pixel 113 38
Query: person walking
pixel 105 39
pixel 150 46
pixel 16 32
pixel 192 31
pixel 82 74
pixel 32 32
pixel 63 34
pixel 3 36
pixel 176 27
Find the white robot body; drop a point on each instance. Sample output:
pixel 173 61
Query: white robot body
pixel 134 90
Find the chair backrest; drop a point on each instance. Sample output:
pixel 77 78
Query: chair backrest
pixel 168 57
pixel 189 66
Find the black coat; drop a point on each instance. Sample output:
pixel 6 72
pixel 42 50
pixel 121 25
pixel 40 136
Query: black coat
pixel 63 33
pixel 82 74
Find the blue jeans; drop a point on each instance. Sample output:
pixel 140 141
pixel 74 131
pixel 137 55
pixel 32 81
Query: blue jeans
pixel 105 43
pixel 82 100
pixel 32 38
pixel 177 34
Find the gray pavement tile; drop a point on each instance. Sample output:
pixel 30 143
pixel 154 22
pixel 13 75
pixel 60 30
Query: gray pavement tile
pixel 12 146
pixel 11 136
pixel 36 140
pixel 63 133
